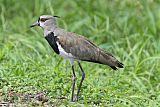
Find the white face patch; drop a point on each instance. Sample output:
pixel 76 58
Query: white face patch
pixel 43 21
pixel 41 24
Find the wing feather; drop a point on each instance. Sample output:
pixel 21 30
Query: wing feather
pixel 78 46
pixel 83 49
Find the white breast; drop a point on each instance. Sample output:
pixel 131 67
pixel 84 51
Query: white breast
pixel 63 52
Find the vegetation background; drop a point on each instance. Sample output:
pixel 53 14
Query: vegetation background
pixel 31 74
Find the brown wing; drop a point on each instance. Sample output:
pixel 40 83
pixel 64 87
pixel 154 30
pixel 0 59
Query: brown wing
pixel 82 49
pixel 78 46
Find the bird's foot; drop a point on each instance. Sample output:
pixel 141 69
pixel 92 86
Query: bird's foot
pixel 75 99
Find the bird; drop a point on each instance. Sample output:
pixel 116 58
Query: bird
pixel 75 48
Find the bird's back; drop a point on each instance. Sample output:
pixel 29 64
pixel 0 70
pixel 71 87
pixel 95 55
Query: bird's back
pixel 83 49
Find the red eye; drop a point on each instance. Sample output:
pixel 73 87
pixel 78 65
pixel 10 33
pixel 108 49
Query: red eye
pixel 43 19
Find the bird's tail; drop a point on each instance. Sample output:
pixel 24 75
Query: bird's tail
pixel 108 59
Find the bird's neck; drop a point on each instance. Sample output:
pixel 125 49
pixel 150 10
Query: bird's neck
pixel 48 30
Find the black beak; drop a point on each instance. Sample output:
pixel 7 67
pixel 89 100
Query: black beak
pixel 35 24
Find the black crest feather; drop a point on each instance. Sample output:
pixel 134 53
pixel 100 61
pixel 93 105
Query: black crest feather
pixel 57 16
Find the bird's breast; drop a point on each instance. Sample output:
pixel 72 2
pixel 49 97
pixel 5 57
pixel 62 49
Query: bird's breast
pixel 63 53
pixel 52 42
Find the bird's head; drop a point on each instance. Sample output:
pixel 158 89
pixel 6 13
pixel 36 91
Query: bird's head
pixel 46 22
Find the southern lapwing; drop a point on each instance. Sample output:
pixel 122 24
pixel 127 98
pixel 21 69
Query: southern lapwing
pixel 74 47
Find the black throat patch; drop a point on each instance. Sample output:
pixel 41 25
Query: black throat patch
pixel 52 42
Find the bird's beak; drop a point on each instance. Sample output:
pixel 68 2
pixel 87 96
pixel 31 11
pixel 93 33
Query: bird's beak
pixel 35 24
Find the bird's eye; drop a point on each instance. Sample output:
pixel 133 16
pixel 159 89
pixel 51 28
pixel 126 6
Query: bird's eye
pixel 43 19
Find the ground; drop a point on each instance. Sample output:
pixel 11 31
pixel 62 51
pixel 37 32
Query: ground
pixel 31 74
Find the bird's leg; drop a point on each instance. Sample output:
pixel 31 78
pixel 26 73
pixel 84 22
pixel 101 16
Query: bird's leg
pixel 83 76
pixel 74 80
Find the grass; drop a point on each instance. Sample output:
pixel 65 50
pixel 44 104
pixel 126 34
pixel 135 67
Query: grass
pixel 130 29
